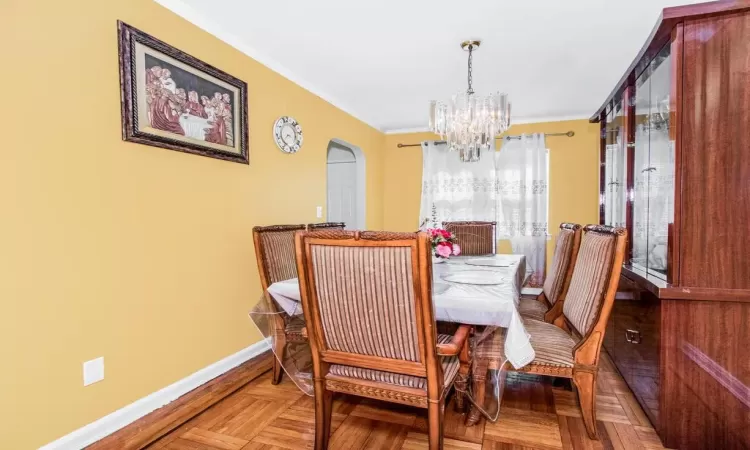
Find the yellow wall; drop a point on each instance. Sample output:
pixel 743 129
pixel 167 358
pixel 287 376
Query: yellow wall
pixel 144 255
pixel 135 253
pixel 573 183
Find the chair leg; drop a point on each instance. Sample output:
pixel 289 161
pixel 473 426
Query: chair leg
pixel 585 383
pixel 323 409
pixel 479 385
pixel 435 412
pixel 279 346
pixel 277 372
pixel 462 379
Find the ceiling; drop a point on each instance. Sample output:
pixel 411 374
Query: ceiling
pixel 382 61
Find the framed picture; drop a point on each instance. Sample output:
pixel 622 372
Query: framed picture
pixel 172 100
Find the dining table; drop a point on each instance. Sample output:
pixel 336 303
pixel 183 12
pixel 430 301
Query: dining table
pixel 482 291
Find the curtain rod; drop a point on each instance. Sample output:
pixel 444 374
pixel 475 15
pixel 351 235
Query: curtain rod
pixel 507 138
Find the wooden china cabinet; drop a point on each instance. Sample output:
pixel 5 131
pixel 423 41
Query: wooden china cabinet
pixel 675 170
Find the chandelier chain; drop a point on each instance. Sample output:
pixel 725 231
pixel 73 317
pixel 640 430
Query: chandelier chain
pixel 470 90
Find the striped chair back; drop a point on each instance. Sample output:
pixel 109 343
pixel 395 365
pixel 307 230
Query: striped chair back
pixel 274 251
pixel 326 226
pixel 563 262
pixel 367 299
pixel 591 275
pixel 475 238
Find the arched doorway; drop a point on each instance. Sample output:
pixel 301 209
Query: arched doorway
pixel 345 189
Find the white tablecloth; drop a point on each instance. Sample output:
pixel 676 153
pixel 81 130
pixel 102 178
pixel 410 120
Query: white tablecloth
pixel 495 305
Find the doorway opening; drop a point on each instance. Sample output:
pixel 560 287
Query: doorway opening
pixel 345 187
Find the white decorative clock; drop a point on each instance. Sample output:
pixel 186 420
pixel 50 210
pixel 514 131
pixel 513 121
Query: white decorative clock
pixel 288 134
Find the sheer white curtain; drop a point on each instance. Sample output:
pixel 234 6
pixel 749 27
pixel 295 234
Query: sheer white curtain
pixel 510 188
pixel 453 190
pixel 522 175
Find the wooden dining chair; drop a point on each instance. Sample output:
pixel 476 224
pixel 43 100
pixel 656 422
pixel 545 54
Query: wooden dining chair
pixel 474 237
pixel 570 347
pixel 367 299
pixel 547 306
pixel 274 252
pixel 326 226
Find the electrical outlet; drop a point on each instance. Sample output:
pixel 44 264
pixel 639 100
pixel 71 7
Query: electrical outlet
pixel 319 212
pixel 93 371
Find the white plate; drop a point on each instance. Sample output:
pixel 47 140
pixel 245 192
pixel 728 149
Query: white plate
pixel 439 288
pixel 491 262
pixel 474 277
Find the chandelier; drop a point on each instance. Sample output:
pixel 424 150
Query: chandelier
pixel 468 122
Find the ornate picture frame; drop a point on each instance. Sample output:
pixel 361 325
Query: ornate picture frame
pixel 172 100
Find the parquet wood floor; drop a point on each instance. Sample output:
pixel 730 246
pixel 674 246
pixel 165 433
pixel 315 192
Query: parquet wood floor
pixel 534 415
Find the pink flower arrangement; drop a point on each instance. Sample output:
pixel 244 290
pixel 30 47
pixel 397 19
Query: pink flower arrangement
pixel 443 243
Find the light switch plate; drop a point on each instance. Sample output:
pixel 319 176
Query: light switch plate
pixel 93 371
pixel 319 212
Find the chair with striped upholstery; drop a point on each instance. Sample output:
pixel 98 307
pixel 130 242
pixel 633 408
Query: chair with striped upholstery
pixel 475 238
pixel 547 306
pixel 274 252
pixel 367 299
pixel 326 226
pixel 570 347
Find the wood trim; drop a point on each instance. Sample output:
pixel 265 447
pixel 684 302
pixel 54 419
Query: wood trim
pixel 644 280
pixel 156 424
pixel 602 166
pixel 664 290
pixel 661 33
pixel 457 343
pixel 629 162
pixel 416 369
pixel 706 294
pixel 326 225
pixel 675 134
pixel 370 389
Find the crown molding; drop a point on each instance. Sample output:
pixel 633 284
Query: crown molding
pixel 545 119
pixel 521 121
pixel 407 130
pixel 188 13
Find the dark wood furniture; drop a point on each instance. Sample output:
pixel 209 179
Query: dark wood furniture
pixel 367 299
pixel 326 226
pixel 547 306
pixel 675 153
pixel 274 253
pixel 475 237
pixel 570 347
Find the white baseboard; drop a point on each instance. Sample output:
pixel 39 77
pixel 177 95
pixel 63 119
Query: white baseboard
pixel 110 423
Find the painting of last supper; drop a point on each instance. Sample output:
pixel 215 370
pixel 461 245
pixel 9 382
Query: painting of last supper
pixel 175 101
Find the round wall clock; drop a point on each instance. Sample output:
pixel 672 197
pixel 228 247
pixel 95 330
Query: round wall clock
pixel 288 134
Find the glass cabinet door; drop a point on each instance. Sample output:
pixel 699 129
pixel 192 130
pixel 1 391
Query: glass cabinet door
pixel 615 167
pixel 661 165
pixel 653 202
pixel 641 172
